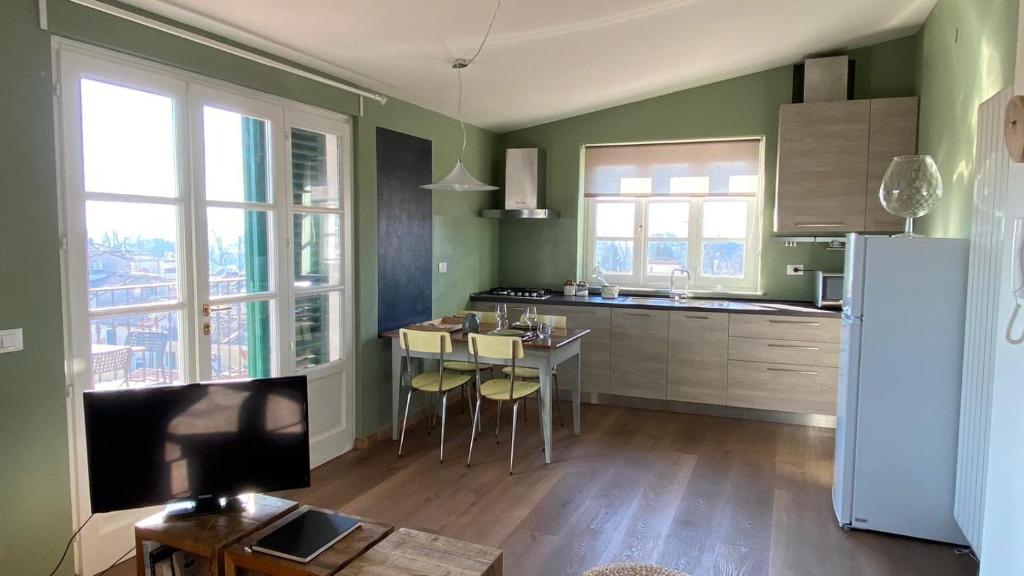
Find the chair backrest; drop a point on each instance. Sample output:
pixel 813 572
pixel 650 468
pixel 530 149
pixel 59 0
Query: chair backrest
pixel 425 342
pixel 483 317
pixel 153 342
pixel 496 347
pixel 556 322
pixel 111 362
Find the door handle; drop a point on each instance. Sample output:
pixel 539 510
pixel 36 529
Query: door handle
pixel 809 372
pixel 801 322
pixel 794 347
pixel 207 309
pixel 819 224
pixel 696 317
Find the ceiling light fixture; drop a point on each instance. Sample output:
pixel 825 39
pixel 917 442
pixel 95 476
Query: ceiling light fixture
pixel 459 179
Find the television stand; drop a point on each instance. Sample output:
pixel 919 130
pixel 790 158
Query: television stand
pixel 207 505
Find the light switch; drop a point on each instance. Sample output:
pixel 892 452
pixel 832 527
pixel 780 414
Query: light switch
pixel 442 267
pixel 11 341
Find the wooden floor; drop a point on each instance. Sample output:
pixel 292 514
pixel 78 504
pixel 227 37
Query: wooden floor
pixel 699 494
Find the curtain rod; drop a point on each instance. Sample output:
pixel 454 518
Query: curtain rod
pixel 217 45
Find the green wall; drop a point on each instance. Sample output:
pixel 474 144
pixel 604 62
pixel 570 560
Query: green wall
pixel 34 477
pixel 548 252
pixel 967 52
pixel 35 499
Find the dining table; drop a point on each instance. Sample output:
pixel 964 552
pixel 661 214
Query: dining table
pixel 543 352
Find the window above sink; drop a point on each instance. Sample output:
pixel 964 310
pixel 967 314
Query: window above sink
pixel 695 205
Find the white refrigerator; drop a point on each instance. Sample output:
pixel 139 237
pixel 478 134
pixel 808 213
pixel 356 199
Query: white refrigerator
pixel 899 385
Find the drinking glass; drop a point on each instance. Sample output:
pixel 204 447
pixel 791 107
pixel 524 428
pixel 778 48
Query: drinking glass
pixel 530 316
pixel 501 314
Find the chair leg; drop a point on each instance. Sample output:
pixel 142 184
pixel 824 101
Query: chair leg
pixel 463 389
pixel 430 411
pixel 512 450
pixel 472 431
pixel 497 425
pixel 444 412
pixel 405 420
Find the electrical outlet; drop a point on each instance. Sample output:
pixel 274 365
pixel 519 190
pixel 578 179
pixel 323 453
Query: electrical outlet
pixel 795 269
pixel 442 267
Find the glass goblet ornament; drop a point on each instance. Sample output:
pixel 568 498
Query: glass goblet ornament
pixel 911 188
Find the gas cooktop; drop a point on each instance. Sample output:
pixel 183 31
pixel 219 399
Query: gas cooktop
pixel 526 293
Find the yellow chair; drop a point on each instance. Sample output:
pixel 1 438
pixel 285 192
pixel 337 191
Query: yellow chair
pixel 501 349
pixel 440 382
pixel 469 367
pixel 557 323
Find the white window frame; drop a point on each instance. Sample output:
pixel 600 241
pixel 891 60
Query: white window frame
pixel 123 69
pixel 749 284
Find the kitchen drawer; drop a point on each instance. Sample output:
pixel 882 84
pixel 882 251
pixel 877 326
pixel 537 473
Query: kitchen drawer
pixel 782 387
pixel 639 352
pixel 595 349
pixel 803 328
pixel 698 345
pixel 784 351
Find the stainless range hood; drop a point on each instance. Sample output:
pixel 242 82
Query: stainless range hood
pixel 524 187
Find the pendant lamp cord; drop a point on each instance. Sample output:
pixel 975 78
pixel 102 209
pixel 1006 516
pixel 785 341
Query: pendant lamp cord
pixel 466 63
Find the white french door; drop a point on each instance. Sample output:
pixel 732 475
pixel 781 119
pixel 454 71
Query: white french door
pixel 208 237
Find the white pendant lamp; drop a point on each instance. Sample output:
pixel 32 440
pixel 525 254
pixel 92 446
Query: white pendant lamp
pixel 460 179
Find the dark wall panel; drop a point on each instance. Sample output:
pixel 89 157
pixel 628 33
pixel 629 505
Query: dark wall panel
pixel 404 230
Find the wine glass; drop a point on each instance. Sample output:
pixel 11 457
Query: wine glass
pixel 501 314
pixel 530 315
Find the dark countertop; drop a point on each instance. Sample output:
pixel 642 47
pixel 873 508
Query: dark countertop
pixel 735 306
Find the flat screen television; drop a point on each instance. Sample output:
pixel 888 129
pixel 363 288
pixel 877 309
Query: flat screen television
pixel 200 444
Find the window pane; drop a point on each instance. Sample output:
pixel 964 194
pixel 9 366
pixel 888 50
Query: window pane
pixel 317 244
pixel 236 156
pixel 132 252
pixel 136 350
pixel 664 256
pixel 635 186
pixel 724 259
pixel 744 184
pixel 725 219
pixel 615 256
pixel 318 329
pixel 689 185
pixel 668 220
pixel 240 340
pixel 315 169
pixel 615 219
pixel 128 142
pixel 239 251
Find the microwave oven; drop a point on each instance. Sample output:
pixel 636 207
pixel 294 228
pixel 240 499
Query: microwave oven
pixel 829 292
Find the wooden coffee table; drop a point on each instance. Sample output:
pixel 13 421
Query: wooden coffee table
pixel 240 559
pixel 207 536
pixel 409 552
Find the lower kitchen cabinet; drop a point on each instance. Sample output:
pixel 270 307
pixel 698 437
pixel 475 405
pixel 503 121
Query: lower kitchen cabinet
pixel 698 347
pixel 595 351
pixel 639 347
pixel 783 387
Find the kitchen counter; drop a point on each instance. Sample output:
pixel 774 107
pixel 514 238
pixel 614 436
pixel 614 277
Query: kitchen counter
pixel 664 303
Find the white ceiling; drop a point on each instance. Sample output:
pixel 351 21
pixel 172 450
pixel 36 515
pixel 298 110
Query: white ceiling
pixel 546 59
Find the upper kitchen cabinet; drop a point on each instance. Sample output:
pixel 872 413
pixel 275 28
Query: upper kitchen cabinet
pixel 823 158
pixel 832 156
pixel 893 133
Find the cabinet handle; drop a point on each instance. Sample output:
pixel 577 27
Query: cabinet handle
pixel 640 314
pixel 697 317
pixel 801 322
pixel 794 346
pixel 820 224
pixel 810 372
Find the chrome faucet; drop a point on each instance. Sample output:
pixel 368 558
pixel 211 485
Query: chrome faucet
pixel 681 294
